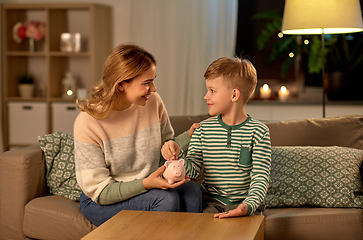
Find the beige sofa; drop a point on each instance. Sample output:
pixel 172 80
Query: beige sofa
pixel 28 211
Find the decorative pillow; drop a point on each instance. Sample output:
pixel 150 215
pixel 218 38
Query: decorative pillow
pixel 59 158
pixel 307 176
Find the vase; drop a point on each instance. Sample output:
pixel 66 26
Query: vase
pixel 31 45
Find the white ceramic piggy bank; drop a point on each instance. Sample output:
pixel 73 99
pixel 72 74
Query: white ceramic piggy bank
pixel 175 171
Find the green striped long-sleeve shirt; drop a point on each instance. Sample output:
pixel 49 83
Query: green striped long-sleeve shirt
pixel 236 160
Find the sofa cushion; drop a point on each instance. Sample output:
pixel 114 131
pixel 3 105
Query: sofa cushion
pixel 55 217
pixel 315 177
pixel 58 150
pixel 345 131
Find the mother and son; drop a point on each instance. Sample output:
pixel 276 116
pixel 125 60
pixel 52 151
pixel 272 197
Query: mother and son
pixel 123 136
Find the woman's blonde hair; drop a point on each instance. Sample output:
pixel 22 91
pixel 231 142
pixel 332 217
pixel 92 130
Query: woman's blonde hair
pixel 237 72
pixel 124 63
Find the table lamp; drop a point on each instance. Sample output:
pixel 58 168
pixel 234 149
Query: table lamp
pixel 303 17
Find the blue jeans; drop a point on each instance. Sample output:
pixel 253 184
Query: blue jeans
pixel 185 198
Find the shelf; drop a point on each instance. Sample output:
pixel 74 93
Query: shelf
pixel 43 54
pixel 48 64
pixel 24 54
pixel 63 100
pixel 69 54
pixel 19 99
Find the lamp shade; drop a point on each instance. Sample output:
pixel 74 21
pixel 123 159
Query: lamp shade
pixel 321 16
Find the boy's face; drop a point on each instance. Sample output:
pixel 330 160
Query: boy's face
pixel 219 96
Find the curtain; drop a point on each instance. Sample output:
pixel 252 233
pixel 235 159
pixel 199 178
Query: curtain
pixel 185 36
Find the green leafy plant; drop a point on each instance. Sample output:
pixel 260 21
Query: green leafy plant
pixel 26 79
pixel 281 46
pixel 346 52
pixel 342 52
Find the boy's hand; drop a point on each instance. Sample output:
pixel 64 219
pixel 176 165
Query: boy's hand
pixel 170 150
pixel 241 210
pixel 192 128
pixel 155 180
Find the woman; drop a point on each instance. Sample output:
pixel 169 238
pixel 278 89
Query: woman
pixel 118 136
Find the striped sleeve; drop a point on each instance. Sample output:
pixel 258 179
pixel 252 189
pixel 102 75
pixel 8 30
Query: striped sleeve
pixel 194 158
pixel 261 164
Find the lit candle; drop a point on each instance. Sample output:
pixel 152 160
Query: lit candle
pixel 265 92
pixel 284 94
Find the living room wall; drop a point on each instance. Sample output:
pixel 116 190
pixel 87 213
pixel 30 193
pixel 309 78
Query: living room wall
pixel 185 37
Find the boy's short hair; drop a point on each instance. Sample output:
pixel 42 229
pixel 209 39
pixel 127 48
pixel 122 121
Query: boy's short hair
pixel 237 72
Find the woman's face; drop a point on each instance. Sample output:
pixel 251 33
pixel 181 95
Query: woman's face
pixel 138 90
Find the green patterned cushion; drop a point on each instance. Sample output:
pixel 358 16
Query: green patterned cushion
pixel 315 177
pixel 59 159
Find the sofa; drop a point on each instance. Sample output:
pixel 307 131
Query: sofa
pixel 29 211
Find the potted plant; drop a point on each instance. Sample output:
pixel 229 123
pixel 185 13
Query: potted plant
pixel 26 85
pixel 282 45
pixel 308 47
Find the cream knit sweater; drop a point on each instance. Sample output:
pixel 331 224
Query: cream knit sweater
pixel 113 155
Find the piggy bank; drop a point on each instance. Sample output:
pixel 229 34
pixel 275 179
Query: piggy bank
pixel 175 171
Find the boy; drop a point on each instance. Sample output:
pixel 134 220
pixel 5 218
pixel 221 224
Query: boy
pixel 233 148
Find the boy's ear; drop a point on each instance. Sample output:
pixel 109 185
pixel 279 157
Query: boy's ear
pixel 236 94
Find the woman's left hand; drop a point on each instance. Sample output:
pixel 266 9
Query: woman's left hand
pixel 192 128
pixel 155 180
pixel 241 210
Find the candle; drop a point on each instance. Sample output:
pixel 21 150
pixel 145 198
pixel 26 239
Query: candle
pixel 265 92
pixel 284 94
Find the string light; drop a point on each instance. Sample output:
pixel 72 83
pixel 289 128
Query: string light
pixel 280 34
pixel 291 54
pixel 306 42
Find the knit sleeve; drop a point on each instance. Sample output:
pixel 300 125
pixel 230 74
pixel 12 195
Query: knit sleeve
pixel 260 175
pixel 91 172
pixel 183 141
pixel 194 158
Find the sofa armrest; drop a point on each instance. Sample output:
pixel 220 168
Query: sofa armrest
pixel 22 178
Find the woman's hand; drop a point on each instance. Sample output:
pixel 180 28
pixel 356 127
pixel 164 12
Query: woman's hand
pixel 170 150
pixel 192 128
pixel 241 210
pixel 155 180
